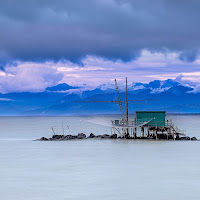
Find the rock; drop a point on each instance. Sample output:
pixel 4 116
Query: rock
pixel 81 136
pixel 194 138
pixel 43 139
pixel 64 137
pixel 105 136
pixel 113 136
pixel 188 138
pixel 56 137
pixel 127 136
pixel 185 138
pixel 68 137
pixel 170 137
pixel 177 138
pixel 92 135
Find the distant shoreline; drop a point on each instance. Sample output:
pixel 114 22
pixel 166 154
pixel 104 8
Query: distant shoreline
pixel 88 115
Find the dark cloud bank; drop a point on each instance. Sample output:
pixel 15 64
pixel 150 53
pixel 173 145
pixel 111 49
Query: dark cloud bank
pixel 119 29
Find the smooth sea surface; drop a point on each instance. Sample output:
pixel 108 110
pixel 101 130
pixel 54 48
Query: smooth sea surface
pixel 95 169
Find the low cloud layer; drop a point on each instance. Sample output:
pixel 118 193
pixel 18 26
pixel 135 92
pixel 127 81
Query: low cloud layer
pixel 28 77
pixel 38 30
pixel 94 71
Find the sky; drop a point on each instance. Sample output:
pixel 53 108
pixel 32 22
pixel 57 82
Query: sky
pixel 91 42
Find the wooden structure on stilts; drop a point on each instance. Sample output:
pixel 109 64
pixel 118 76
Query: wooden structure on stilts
pixel 146 125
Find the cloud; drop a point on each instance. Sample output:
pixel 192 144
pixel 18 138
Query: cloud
pixel 5 99
pixel 28 77
pixel 189 55
pixel 196 89
pixel 94 71
pixel 184 81
pixel 37 30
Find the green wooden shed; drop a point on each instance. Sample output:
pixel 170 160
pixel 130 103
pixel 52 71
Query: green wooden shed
pixel 156 118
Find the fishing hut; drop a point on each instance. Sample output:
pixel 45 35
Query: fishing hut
pixel 153 125
pixel 145 125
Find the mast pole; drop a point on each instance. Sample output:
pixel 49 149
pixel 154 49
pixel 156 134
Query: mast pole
pixel 126 101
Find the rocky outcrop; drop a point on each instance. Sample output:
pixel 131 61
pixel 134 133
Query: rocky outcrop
pixel 113 136
pixel 43 139
pixel 185 138
pixel 194 138
pixel 56 137
pixel 105 136
pixel 91 135
pixel 81 136
pixel 68 137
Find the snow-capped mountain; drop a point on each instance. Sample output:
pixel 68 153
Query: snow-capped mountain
pixel 155 86
pixel 64 99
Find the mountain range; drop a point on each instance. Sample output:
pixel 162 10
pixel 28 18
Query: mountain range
pixel 64 99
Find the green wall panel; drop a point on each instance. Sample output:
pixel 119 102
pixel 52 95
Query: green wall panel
pixel 157 117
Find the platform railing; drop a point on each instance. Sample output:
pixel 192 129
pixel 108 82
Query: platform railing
pixel 123 123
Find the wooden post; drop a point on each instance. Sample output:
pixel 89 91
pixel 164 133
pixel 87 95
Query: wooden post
pixel 135 132
pixel 156 135
pixel 53 130
pixel 63 129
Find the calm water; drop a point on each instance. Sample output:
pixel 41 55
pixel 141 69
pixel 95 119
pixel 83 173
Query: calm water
pixel 95 169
